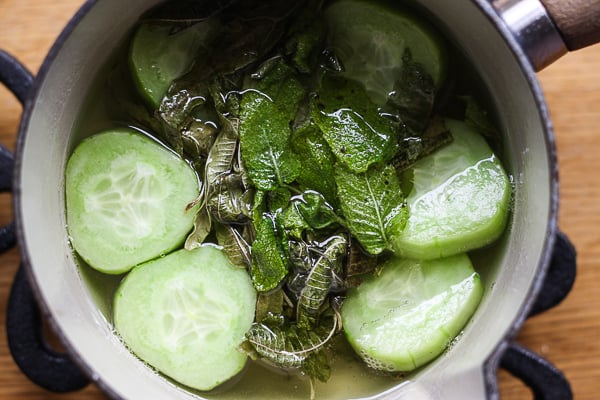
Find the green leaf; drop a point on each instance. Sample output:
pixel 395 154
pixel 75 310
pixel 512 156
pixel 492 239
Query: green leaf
pixel 306 211
pixel 413 95
pixel 293 222
pixel 373 205
pixel 314 209
pixel 317 158
pixel 259 206
pixel 278 199
pixel 351 124
pixel 268 304
pixel 268 106
pixel 269 258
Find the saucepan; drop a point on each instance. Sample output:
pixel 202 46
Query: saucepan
pixel 507 41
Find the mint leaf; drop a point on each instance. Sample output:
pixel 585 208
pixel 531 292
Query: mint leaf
pixel 293 222
pixel 351 124
pixel 307 211
pixel 269 257
pixel 317 158
pixel 267 108
pixel 315 210
pixel 373 205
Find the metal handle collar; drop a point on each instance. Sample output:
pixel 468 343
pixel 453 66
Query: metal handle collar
pixel 533 29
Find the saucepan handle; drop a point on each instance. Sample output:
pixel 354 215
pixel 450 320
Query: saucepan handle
pixel 577 20
pixel 547 29
pixel 46 367
pixel 544 379
pixel 18 80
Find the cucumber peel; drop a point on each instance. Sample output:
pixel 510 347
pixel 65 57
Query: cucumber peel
pixel 157 56
pixel 408 315
pixel 460 199
pixel 185 314
pixel 126 199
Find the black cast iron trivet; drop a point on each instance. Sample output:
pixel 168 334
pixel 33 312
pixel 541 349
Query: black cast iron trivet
pixel 56 372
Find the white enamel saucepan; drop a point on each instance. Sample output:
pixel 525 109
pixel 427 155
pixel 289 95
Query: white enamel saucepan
pixel 505 40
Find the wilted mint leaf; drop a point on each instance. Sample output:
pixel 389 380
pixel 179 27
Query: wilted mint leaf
pixel 373 205
pixel 351 124
pixel 202 227
pixel 234 244
pixel 413 95
pixel 267 109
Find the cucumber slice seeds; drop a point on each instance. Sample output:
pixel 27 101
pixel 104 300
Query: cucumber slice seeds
pixel 371 39
pixel 185 314
pixel 408 315
pixel 126 199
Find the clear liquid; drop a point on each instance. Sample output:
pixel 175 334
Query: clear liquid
pixel 350 378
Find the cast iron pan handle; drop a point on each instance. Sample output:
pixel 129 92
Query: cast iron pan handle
pixel 544 379
pixel 44 366
pixel 37 360
pixel 19 81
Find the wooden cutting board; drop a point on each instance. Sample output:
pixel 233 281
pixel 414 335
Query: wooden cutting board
pixel 568 335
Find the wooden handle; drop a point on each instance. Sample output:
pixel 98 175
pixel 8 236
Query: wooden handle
pixel 577 20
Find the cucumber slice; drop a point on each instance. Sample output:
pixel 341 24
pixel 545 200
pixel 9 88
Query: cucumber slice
pixel 186 314
pixel 157 56
pixel 460 199
pixel 370 39
pixel 408 315
pixel 126 198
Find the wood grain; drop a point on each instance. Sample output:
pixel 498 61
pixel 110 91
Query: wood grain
pixel 577 20
pixel 567 335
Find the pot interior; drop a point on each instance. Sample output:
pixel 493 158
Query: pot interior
pixel 72 296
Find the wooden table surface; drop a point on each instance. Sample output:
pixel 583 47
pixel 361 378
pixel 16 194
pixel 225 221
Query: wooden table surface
pixel 568 335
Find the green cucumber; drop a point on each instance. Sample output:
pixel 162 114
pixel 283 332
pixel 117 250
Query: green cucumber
pixel 185 314
pixel 159 54
pixel 126 199
pixel 408 315
pixel 370 39
pixel 459 201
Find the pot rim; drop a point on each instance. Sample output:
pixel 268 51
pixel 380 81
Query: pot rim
pixel 28 108
pixel 491 363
